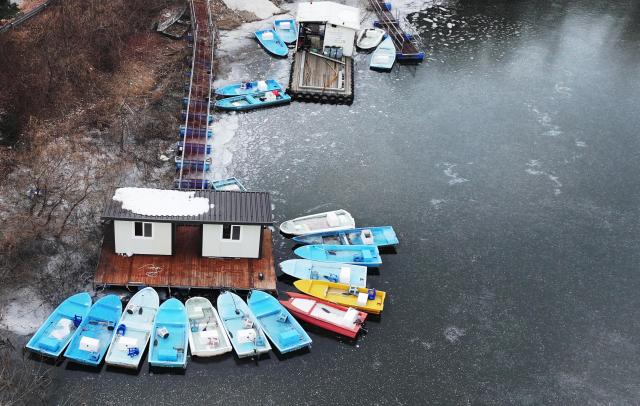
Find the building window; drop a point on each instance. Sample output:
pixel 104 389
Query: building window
pixel 141 229
pixel 230 232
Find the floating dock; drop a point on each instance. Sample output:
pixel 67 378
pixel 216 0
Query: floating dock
pixel 194 159
pixel 317 78
pixel 407 43
pixel 186 268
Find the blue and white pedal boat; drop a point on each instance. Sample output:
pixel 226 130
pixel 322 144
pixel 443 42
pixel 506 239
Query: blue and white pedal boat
pixel 378 236
pixel 61 326
pixel 352 275
pixel 247 337
pixel 366 255
pixel 271 41
pixel 283 330
pixel 286 30
pixel 95 332
pixel 133 330
pixel 170 336
pixel 242 88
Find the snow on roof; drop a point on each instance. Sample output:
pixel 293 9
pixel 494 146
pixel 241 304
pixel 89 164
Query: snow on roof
pixel 330 12
pixel 158 202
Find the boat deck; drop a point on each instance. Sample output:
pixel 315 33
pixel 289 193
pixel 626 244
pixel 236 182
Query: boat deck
pixel 315 78
pixel 186 269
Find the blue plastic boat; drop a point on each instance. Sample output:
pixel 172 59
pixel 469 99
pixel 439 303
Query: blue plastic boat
pixel 366 255
pixel 254 101
pixel 61 326
pixel 283 330
pixel 384 56
pixel 272 42
pixel 287 30
pixel 90 344
pixel 133 330
pixel 378 236
pixel 229 184
pixel 170 336
pixel 352 275
pixel 238 89
pixel 247 337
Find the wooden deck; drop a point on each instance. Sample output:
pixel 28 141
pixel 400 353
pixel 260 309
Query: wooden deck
pixel 186 269
pixel 321 80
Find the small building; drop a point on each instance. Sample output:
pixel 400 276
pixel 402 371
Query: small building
pixel 203 238
pixel 327 25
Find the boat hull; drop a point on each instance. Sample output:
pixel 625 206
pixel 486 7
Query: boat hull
pixel 138 318
pixel 370 38
pixel 236 89
pixel 335 220
pixel 170 337
pixel 353 275
pixel 286 30
pixel 207 336
pixel 308 316
pixel 281 328
pixel 246 335
pixel 90 345
pixel 339 293
pixel 384 56
pixel 55 333
pixel 271 42
pixel 380 237
pixel 251 101
pixel 366 255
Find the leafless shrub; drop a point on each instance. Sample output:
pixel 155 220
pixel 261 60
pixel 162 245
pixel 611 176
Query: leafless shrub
pixel 21 383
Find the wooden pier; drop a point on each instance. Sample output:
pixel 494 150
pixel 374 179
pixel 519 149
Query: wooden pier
pixel 407 44
pixel 316 78
pixel 186 268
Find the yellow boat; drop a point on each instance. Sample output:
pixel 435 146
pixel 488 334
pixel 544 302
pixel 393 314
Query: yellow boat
pixel 343 294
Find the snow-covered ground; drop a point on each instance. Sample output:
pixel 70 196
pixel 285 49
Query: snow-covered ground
pixel 24 311
pixel 261 8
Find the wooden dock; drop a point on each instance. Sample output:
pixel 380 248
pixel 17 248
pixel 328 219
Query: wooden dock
pixel 186 268
pixel 315 78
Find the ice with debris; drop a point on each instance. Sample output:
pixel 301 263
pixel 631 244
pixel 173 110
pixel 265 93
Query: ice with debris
pixel 158 202
pixel 261 8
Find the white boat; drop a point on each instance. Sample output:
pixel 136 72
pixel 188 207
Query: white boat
pixel 207 336
pixel 133 330
pixel 319 222
pixel 369 38
pixel 384 56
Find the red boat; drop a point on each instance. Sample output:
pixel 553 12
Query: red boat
pixel 330 316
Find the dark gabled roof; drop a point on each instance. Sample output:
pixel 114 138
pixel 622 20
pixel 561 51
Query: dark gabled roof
pixel 228 207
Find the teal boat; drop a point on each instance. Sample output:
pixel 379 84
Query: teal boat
pixel 352 275
pixel 271 41
pixel 61 326
pixel 170 336
pixel 253 101
pixel 367 255
pixel 133 330
pixel 286 30
pixel 378 236
pixel 229 184
pixel 384 56
pixel 90 344
pixel 247 337
pixel 283 330
pixel 239 89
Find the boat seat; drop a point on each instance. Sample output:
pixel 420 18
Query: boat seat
pixel 167 355
pixel 49 344
pixel 288 337
pixel 366 254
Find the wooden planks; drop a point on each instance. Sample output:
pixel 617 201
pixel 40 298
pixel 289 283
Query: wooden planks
pixel 317 79
pixel 186 269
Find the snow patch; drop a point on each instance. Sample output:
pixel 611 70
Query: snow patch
pixel 24 313
pixel 261 8
pixel 453 334
pixel 158 202
pixel 450 173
